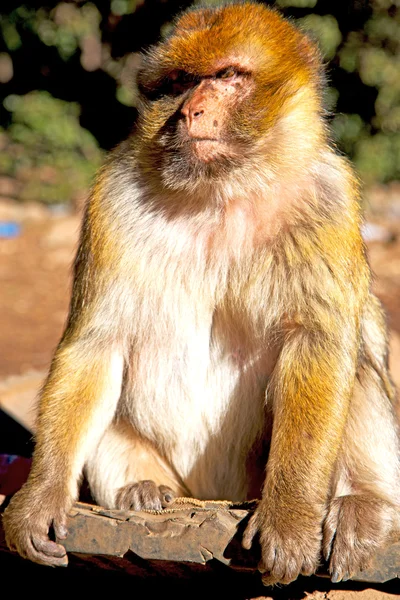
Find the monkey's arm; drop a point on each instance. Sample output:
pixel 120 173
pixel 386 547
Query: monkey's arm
pixel 310 393
pixel 77 403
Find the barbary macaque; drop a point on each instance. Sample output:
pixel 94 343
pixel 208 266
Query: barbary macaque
pixel 223 341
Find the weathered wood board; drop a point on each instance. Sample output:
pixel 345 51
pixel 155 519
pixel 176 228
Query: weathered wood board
pixel 188 535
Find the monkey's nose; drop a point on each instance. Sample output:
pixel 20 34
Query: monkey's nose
pixel 192 111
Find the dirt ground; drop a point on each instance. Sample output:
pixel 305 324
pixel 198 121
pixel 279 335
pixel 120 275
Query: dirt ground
pixel 35 279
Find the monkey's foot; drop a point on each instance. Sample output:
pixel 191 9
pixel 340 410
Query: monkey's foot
pixel 144 495
pixel 26 524
pixel 354 528
pixel 286 553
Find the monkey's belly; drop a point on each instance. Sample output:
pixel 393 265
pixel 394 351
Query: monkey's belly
pixel 203 411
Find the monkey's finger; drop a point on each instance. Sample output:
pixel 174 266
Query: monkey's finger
pixel 336 576
pixel 38 548
pixel 347 564
pixel 291 572
pixel 340 569
pixel 167 496
pixel 30 549
pixel 250 532
pixel 343 573
pixel 49 548
pixel 327 543
pixel 330 528
pixel 60 530
pixel 274 561
pixel 309 566
pixel 284 571
pixel 270 559
pixel 47 561
pixel 261 568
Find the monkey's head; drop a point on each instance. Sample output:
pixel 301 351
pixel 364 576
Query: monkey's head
pixel 230 90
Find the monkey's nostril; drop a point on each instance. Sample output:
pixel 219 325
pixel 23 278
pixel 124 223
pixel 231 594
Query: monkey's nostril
pixel 198 113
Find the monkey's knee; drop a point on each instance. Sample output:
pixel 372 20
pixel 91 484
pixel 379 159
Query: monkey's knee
pixel 144 495
pixel 355 527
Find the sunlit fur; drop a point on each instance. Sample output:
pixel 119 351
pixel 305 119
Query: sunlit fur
pixel 220 295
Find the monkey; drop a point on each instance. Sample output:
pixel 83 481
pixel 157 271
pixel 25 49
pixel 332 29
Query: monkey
pixel 223 341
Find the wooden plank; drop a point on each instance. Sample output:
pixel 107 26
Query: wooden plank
pixel 188 535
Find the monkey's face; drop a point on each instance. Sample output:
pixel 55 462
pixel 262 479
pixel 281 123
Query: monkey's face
pixel 213 93
pixel 191 121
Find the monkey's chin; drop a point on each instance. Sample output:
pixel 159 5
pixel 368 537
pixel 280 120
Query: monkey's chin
pixel 209 150
pixel 198 163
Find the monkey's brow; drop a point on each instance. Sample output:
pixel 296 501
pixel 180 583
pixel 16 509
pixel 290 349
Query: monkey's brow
pixel 176 76
pixel 239 69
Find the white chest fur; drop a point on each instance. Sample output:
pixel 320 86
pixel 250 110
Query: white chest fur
pixel 196 383
pixel 200 399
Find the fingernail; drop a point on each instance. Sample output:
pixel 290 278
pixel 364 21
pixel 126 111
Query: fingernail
pixel 335 578
pixel 62 532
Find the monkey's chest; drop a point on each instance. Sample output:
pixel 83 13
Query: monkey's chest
pixel 199 395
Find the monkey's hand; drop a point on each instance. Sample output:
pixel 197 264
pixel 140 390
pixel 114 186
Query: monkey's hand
pixel 27 521
pixel 355 527
pixel 290 542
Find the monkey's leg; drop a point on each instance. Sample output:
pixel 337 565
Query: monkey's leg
pixel 365 508
pixel 128 472
pixel 78 402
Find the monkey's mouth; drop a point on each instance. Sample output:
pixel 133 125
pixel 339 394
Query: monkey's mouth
pixel 205 139
pixel 207 149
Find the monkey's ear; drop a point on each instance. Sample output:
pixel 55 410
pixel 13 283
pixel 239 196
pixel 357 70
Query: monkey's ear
pixel 311 57
pixel 308 49
pixel 147 77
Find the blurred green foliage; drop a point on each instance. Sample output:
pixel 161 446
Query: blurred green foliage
pixel 373 55
pixel 46 148
pixel 86 53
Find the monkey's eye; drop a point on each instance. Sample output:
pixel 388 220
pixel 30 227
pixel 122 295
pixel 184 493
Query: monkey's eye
pixel 180 81
pixel 174 84
pixel 227 73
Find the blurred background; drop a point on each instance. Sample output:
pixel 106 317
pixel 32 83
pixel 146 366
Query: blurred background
pixel 68 95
